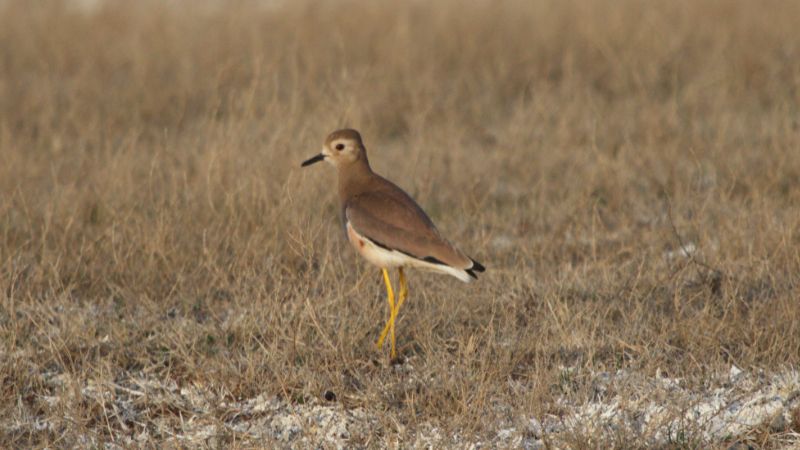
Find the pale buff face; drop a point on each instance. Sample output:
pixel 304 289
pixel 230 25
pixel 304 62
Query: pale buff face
pixel 342 150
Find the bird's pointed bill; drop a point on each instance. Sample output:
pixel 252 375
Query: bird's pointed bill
pixel 312 160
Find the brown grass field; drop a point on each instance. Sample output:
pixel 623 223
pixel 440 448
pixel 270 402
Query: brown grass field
pixel 155 223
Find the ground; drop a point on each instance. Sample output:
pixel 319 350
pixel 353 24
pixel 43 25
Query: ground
pixel 628 173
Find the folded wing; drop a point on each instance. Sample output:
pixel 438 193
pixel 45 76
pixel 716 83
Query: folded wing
pixel 391 219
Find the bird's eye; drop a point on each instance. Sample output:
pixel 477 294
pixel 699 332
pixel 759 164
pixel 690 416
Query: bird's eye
pixel 340 146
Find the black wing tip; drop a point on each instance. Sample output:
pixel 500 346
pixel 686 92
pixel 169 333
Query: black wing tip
pixel 476 267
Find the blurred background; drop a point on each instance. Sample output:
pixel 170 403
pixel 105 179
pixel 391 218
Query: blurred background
pixel 627 171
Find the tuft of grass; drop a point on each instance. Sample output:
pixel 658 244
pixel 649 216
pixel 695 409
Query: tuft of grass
pixel 627 172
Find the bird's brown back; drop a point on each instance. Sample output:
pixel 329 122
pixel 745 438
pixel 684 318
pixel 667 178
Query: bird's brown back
pixel 381 211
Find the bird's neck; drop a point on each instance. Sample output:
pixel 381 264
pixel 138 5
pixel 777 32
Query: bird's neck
pixel 354 178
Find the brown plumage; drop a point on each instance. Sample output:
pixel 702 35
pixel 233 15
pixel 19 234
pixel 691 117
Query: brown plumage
pixel 387 216
pixel 384 224
pixel 380 211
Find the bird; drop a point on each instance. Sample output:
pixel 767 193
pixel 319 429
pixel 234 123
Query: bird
pixel 386 226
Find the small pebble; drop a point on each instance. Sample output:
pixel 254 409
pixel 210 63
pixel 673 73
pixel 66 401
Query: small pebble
pixel 778 423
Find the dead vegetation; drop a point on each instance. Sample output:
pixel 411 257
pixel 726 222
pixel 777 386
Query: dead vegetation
pixel 627 171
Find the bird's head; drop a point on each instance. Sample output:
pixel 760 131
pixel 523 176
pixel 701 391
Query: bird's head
pixel 341 148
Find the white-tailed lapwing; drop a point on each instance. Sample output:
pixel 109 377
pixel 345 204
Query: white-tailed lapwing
pixel 385 225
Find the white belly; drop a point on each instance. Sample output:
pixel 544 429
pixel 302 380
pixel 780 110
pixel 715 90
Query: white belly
pixel 389 259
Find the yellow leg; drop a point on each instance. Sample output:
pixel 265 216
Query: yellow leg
pixel 403 288
pixel 390 299
pixel 394 310
pixel 402 297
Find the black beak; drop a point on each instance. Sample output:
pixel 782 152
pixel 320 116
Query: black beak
pixel 312 160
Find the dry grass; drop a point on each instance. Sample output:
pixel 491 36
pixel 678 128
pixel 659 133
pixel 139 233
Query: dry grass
pixel 154 219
